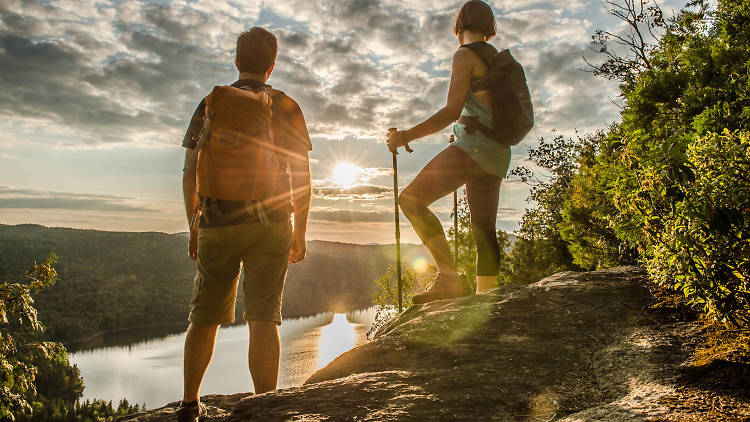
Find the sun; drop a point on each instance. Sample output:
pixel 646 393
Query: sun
pixel 346 174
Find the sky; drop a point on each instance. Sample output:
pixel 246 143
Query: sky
pixel 95 97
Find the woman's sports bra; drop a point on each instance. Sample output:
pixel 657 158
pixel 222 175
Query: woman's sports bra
pixel 480 84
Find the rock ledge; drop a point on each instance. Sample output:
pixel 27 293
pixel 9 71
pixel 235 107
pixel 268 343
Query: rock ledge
pixel 571 347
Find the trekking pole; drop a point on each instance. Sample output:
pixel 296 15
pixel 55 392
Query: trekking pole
pixel 455 216
pixel 398 225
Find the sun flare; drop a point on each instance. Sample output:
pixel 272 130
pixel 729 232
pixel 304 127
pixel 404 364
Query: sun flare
pixel 346 174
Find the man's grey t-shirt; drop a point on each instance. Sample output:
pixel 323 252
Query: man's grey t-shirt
pixel 289 133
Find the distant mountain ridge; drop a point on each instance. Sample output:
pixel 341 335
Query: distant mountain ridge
pixel 117 280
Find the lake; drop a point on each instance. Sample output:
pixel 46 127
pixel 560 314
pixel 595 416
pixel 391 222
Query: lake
pixel 150 371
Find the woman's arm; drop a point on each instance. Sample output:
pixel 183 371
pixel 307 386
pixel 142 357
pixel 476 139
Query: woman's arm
pixel 460 84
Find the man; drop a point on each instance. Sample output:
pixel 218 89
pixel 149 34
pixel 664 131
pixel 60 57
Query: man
pixel 257 234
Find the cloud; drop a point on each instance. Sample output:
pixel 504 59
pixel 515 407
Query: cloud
pixel 567 96
pixel 115 76
pixel 360 192
pixel 94 73
pixel 350 216
pixel 133 72
pixel 535 26
pixel 11 198
pixel 368 173
pixel 66 204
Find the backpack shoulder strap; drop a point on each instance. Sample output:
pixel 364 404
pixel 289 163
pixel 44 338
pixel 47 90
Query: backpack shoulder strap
pixel 484 50
pixel 276 96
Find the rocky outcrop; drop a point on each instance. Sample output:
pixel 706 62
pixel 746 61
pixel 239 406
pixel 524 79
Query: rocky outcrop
pixel 572 347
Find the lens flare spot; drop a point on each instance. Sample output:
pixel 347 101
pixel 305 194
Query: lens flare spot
pixel 420 265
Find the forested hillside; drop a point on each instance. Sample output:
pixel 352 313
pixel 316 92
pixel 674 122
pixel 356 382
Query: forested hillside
pixel 114 280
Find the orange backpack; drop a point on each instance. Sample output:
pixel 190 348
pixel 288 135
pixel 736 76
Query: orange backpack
pixel 236 158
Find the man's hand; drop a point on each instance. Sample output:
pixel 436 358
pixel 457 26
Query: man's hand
pixel 193 245
pixel 299 248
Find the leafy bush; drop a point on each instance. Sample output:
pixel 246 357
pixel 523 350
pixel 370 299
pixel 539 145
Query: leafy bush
pixel 588 213
pixel 703 247
pixel 385 298
pixel 19 348
pixel 671 180
pixel 37 382
pixel 669 185
pixel 540 250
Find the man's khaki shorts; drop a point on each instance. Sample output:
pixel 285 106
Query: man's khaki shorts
pixel 263 250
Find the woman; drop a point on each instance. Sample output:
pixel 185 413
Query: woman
pixel 473 159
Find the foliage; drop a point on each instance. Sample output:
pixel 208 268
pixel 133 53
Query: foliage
pixel 88 411
pixel 531 260
pixel 680 186
pixel 114 281
pixel 385 297
pixel 628 52
pixel 588 213
pixel 19 347
pixel 667 186
pixel 386 287
pixel 670 181
pixel 703 246
pixel 109 280
pixel 540 250
pixel 59 386
pixel 467 251
pixel 36 380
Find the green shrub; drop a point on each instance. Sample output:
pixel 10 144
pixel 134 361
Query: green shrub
pixel 703 247
pixel 675 170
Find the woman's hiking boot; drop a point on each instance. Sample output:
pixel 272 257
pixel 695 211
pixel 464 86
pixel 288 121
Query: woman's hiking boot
pixel 191 412
pixel 445 286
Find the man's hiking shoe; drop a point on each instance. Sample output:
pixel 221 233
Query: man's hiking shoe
pixel 191 412
pixel 444 287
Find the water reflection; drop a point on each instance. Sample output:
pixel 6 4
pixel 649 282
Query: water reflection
pixel 335 339
pixel 128 338
pixel 151 372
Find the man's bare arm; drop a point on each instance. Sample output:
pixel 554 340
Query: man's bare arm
pixel 299 167
pixel 190 195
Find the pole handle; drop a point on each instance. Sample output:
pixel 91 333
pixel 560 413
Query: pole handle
pixel 406 147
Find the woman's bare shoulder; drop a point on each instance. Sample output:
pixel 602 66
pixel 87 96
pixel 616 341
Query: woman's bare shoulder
pixel 463 55
pixel 466 57
pixel 464 60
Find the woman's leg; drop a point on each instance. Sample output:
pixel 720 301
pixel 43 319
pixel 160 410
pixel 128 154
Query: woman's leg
pixel 483 192
pixel 446 172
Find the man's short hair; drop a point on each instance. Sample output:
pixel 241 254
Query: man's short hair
pixel 256 50
pixel 476 16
